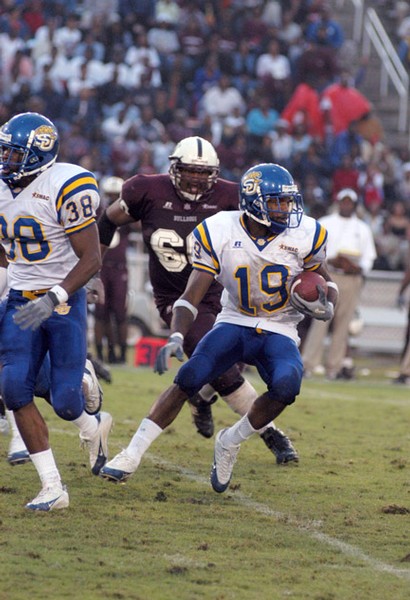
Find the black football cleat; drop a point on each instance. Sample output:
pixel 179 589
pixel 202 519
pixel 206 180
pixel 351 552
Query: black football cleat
pixel 280 445
pixel 202 414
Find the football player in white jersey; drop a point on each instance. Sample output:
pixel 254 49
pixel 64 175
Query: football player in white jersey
pixel 48 231
pixel 254 253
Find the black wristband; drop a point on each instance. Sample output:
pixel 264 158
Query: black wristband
pixel 53 298
pixel 106 229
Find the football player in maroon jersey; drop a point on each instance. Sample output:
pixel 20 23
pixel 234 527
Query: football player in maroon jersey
pixel 110 317
pixel 169 206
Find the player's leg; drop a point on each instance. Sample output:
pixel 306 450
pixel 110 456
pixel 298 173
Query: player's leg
pixel 67 348
pixel 17 453
pixel 200 403
pixel 118 309
pixel 212 356
pixel 279 363
pixel 101 318
pixel 240 394
pixel 22 353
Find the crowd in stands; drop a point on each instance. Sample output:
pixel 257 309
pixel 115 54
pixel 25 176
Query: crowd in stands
pixel 263 80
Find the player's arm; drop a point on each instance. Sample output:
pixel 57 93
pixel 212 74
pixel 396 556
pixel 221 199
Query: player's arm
pixel 85 244
pixel 185 308
pixel 184 313
pixel 3 270
pixel 113 216
pixel 333 290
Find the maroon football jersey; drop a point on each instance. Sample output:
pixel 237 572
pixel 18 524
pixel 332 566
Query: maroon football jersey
pixel 167 222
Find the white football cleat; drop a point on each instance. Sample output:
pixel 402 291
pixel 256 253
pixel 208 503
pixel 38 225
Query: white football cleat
pixel 120 468
pixel 224 460
pixel 51 497
pixel 17 452
pixel 98 444
pixel 92 390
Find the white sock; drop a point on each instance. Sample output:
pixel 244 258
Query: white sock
pixel 147 432
pixel 240 431
pixel 46 467
pixel 87 424
pixel 13 425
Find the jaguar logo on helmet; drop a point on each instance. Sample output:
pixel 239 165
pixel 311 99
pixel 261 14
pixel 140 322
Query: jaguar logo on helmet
pixel 250 183
pixel 44 138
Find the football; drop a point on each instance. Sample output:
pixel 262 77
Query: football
pixel 305 284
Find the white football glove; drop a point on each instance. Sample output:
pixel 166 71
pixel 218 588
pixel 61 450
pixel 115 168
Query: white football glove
pixel 320 309
pixel 174 347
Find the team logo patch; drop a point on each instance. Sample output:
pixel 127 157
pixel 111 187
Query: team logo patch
pixel 250 185
pixel 62 309
pixel 44 138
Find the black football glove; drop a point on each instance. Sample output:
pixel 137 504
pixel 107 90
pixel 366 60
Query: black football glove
pixel 320 309
pixel 174 347
pixel 35 312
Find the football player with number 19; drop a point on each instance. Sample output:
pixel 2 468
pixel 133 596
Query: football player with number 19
pixel 254 253
pixel 50 237
pixel 169 206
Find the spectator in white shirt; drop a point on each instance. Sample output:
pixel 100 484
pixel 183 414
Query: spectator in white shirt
pixel 351 253
pixel 220 100
pixel 273 70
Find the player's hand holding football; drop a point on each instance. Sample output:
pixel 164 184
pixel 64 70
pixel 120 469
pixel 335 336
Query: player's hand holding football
pixel 320 309
pixel 174 347
pixel 95 291
pixel 35 312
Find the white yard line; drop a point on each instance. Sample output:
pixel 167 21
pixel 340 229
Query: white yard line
pixel 308 527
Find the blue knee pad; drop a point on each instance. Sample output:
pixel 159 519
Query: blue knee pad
pixel 193 374
pixel 287 386
pixel 67 401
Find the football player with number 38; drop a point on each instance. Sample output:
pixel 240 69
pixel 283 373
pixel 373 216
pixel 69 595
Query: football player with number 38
pixel 254 253
pixel 49 233
pixel 169 206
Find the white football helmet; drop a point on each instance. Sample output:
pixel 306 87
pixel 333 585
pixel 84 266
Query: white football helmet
pixel 194 168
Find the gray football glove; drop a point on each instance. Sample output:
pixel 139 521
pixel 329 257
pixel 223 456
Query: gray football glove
pixel 95 291
pixel 172 348
pixel 35 312
pixel 320 309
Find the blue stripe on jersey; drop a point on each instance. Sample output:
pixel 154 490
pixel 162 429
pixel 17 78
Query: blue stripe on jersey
pixel 80 182
pixel 320 238
pixel 201 233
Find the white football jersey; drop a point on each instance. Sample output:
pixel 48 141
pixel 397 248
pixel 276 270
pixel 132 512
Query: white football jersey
pixel 256 273
pixel 36 222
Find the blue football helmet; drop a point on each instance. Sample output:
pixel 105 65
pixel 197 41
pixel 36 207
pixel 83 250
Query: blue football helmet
pixel 265 183
pixel 29 144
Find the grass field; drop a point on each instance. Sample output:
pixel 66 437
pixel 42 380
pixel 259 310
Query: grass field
pixel 335 527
